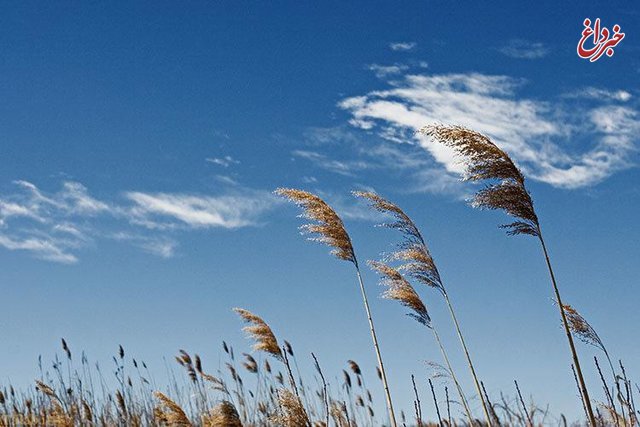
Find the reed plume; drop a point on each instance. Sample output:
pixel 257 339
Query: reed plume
pixel 506 191
pixel 292 412
pixel 223 414
pixel 174 415
pixel 328 228
pixel 260 331
pixel 399 289
pixel 417 261
pixel 588 335
pixel 582 329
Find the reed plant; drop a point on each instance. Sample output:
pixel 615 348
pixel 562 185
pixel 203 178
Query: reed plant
pixel 505 190
pixel 328 228
pixel 418 262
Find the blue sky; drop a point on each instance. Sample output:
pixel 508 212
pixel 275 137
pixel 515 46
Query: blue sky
pixel 140 144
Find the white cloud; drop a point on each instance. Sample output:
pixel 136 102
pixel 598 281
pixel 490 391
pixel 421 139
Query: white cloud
pixel 165 210
pixel 539 137
pixel 78 201
pixel 382 71
pixel 523 49
pixel 55 226
pixel 44 249
pixel 600 94
pixel 225 161
pixel 346 168
pixel 160 246
pixel 9 209
pixel 402 46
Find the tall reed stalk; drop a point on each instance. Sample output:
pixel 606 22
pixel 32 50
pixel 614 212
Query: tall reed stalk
pixel 420 265
pixel 484 161
pixel 399 289
pixel 328 228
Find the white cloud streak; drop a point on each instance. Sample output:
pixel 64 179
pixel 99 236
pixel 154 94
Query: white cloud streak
pixel 163 210
pixel 382 71
pixel 403 46
pixel 523 49
pixel 600 94
pixel 225 161
pixel 55 226
pixel 533 132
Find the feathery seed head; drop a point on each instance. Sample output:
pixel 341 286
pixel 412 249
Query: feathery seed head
pixel 174 414
pixel 413 250
pixel 292 412
pixel 223 415
pixel 581 328
pixel 485 161
pixel 355 368
pixel 328 227
pixel 399 289
pixel 260 331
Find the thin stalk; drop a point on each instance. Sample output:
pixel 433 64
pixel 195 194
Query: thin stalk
pixel 493 411
pixel 435 402
pixel 617 383
pixel 383 374
pixel 453 376
pixel 466 353
pixel 607 392
pixel 324 389
pixel 565 323
pixel 524 406
pixel 418 406
pixel 292 381
pixel 575 377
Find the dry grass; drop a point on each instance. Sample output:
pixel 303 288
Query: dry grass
pixel 261 333
pixel 254 392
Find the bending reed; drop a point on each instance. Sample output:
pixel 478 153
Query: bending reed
pixel 506 191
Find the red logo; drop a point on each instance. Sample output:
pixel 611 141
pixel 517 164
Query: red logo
pixel 602 41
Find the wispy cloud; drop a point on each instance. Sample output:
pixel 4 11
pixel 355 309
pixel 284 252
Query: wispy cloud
pixel 164 210
pixel 600 94
pixel 342 167
pixel 533 131
pixel 382 71
pixel 402 46
pixel 163 247
pixel 56 226
pixel 225 161
pixel 523 49
pixel 42 248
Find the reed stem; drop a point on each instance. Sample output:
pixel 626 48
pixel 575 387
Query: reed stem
pixel 453 376
pixel 466 353
pixel 383 374
pixel 565 324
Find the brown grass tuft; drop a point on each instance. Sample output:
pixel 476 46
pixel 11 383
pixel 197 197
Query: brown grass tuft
pixel 485 161
pixel 223 415
pixel 413 250
pixel 399 289
pixel 173 415
pixel 292 412
pixel 328 228
pixel 261 332
pixel 581 328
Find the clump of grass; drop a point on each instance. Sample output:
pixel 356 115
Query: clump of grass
pixel 170 412
pixel 292 412
pixel 506 191
pixel 223 415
